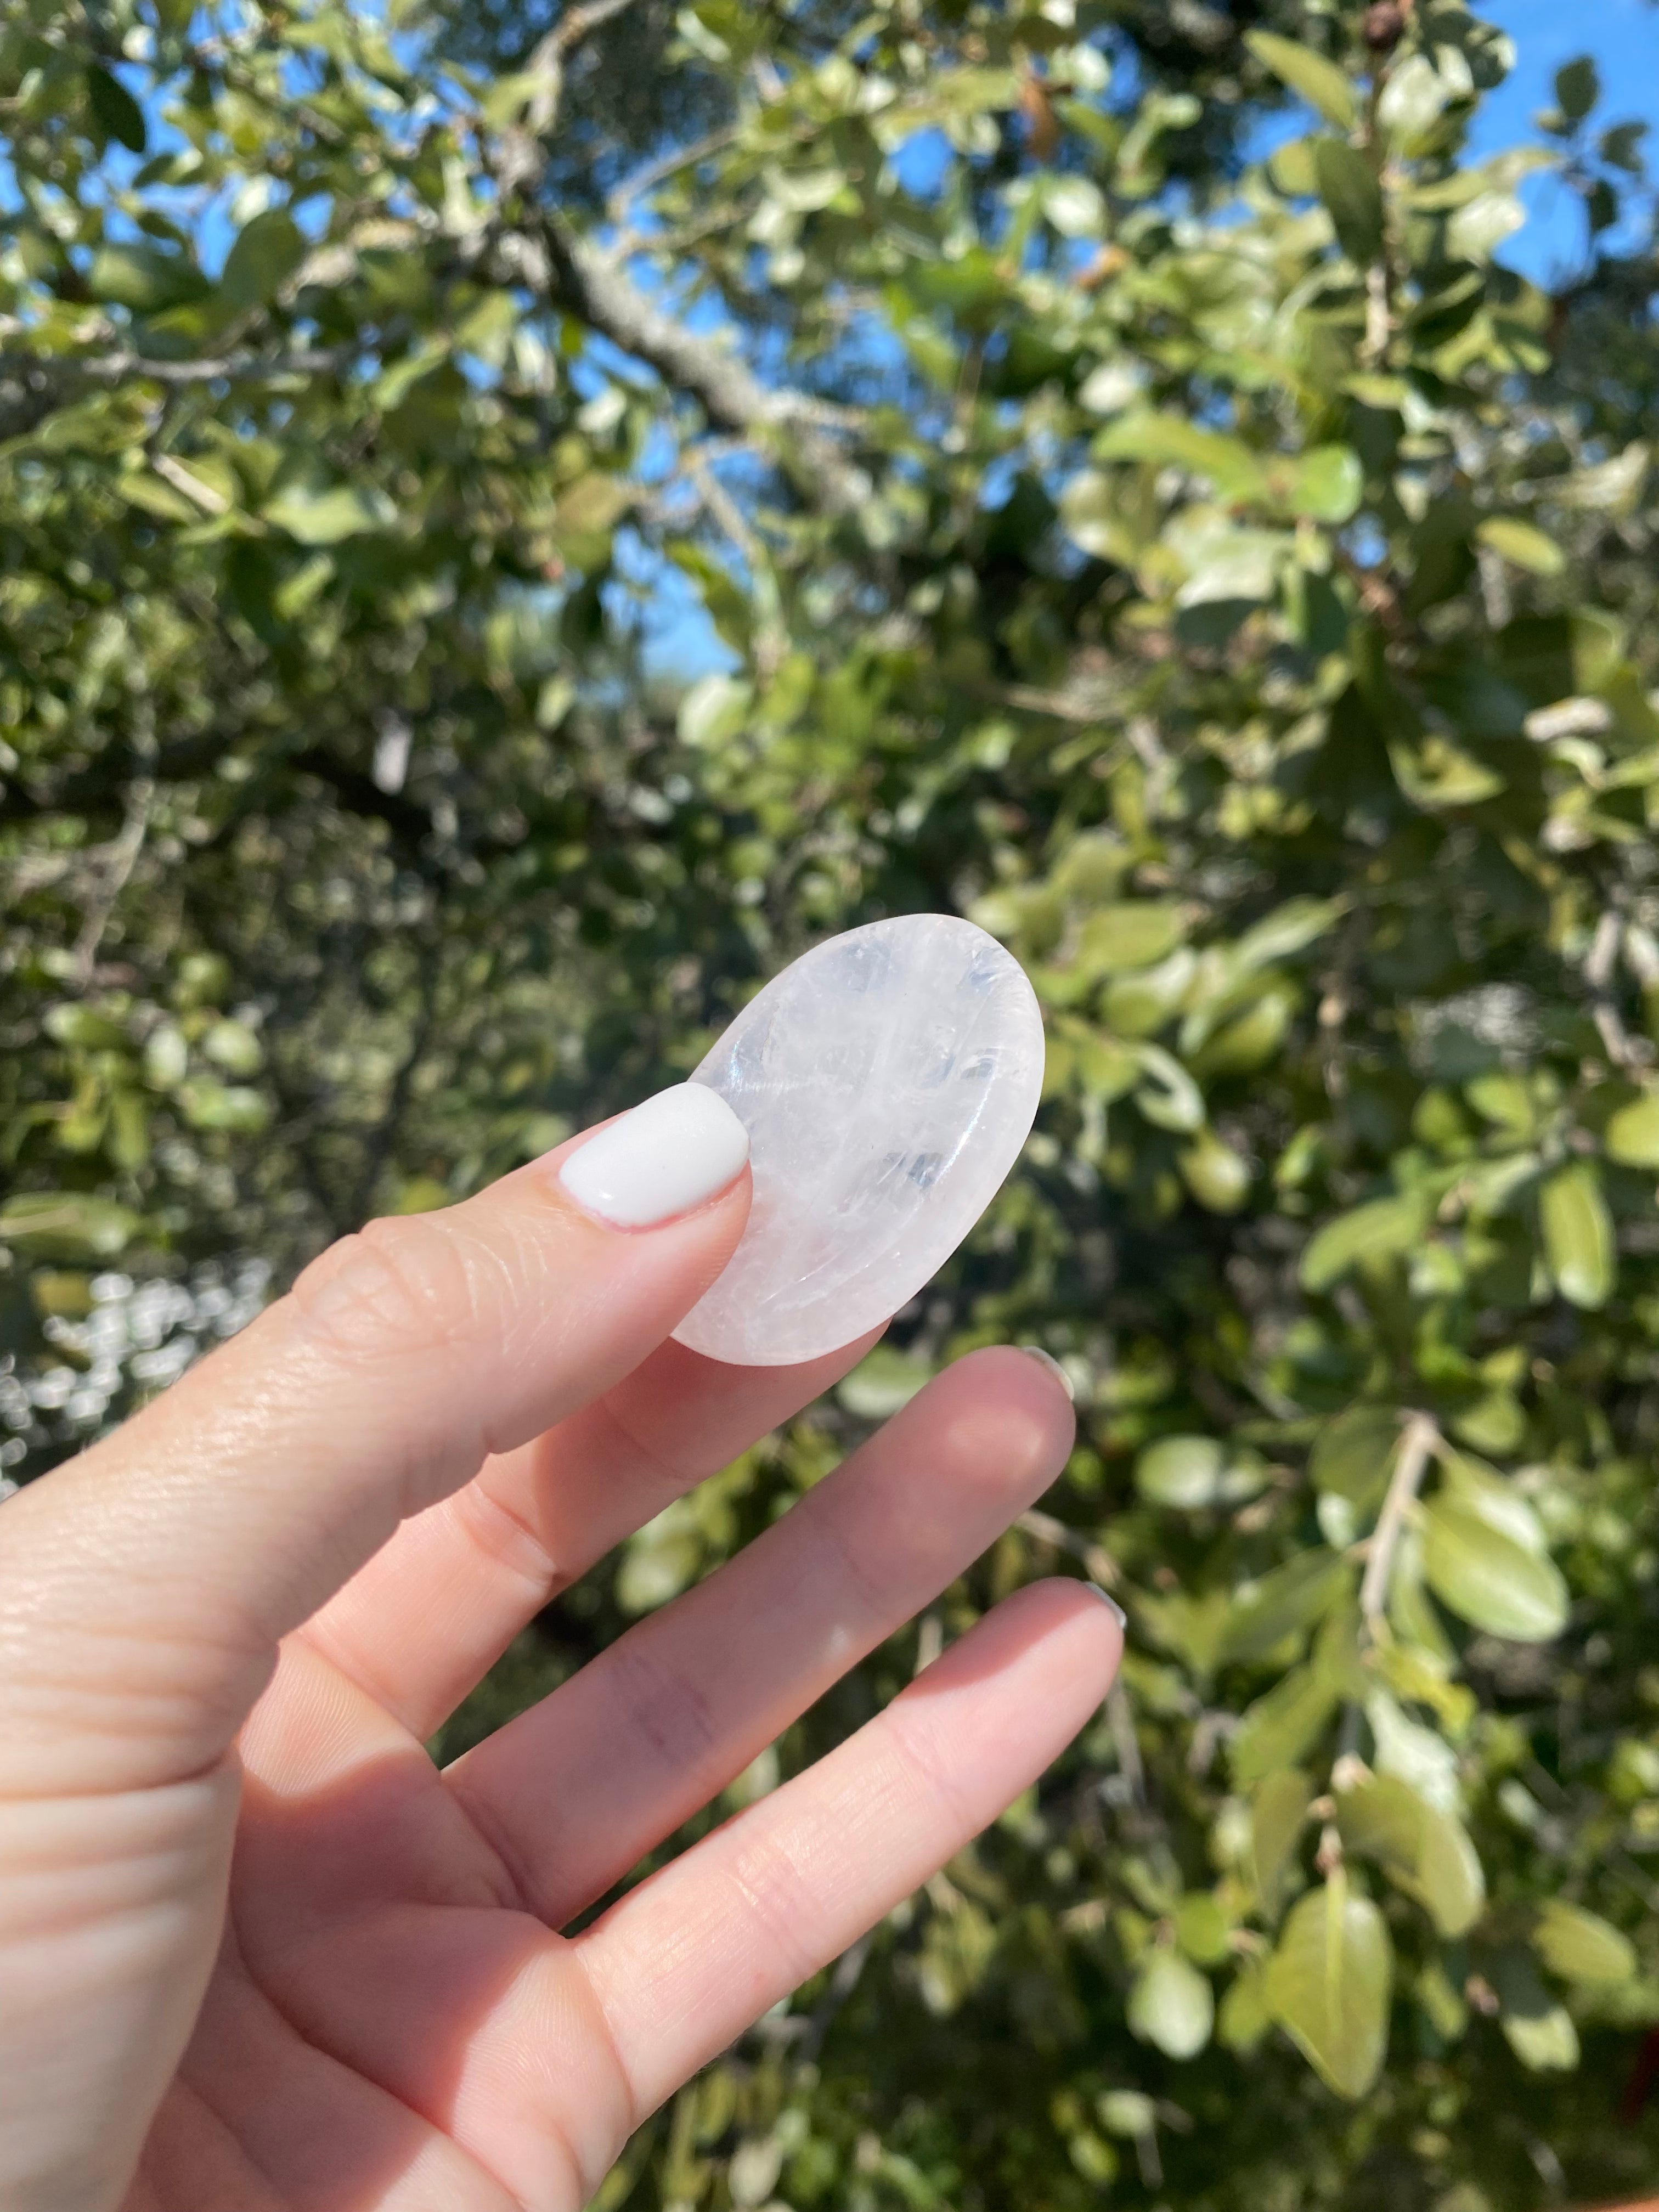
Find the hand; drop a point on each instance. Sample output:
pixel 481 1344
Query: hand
pixel 255 1950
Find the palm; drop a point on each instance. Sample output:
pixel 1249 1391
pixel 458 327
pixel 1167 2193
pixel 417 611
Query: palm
pixel 394 2020
pixel 358 2039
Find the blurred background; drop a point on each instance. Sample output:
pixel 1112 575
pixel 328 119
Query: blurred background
pixel 515 521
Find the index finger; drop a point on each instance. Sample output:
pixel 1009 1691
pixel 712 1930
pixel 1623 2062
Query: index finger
pixel 153 1577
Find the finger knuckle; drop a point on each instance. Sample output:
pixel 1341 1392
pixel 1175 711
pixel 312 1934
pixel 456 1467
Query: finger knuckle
pixel 392 1288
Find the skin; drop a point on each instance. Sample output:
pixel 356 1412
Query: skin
pixel 257 1950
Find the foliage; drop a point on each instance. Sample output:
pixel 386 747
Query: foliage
pixel 1233 587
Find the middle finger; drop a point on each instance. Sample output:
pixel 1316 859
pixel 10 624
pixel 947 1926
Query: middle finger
pixel 574 1791
pixel 431 1612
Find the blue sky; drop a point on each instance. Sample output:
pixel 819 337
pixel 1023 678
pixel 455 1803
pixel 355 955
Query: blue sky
pixel 1623 38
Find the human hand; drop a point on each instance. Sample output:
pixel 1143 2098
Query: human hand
pixel 255 1950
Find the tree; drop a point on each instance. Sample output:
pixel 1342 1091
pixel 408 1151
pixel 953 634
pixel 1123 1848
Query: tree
pixel 1233 586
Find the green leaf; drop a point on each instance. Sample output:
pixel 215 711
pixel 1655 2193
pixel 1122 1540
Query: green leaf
pixel 234 1047
pixel 1326 484
pixel 1425 1851
pixel 1116 938
pixel 1412 101
pixel 1127 2112
pixel 1622 146
pixel 143 278
pixel 1089 508
pixel 1580 1947
pixel 1140 1003
pixel 1577 88
pixel 1170 442
pixel 149 492
pixel 1203 1928
pixel 712 709
pixel 67 1225
pixel 1286 1602
pixel 227 1106
pixel 82 1028
pixel 1244 2018
pixel 1183 1471
pixel 510 95
pixel 1413 1753
pixel 1523 544
pixel 167 1057
pixel 1632 1136
pixel 1439 773
pixel 596 501
pixel 1291 170
pixel 1309 75
pixel 1279 1812
pixel 1217 1175
pixel 1352 1456
pixel 1578 1239
pixel 1477 230
pixel 1281 1728
pixel 266 252
pixel 1289 929
pixel 1224 563
pixel 1489 1580
pixel 324 518
pixel 1074 206
pixel 882 1381
pixel 119 114
pixel 1537 2029
pixel 1167 1096
pixel 1171 2005
pixel 1381 1229
pixel 1328 1983
pixel 1478 1489
pixel 1349 188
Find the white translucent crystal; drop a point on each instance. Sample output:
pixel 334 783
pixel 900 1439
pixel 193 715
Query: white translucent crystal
pixel 887 1080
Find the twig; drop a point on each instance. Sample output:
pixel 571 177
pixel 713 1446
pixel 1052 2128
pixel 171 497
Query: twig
pixel 842 1982
pixel 1379 317
pixel 1102 1567
pixel 1122 1721
pixel 1380 275
pixel 119 859
pixel 523 156
pixel 654 172
pixel 1418 1441
pixel 771 632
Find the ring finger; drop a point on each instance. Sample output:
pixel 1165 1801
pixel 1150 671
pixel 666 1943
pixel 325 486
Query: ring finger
pixel 574 1791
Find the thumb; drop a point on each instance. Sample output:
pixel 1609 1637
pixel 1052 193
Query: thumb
pixel 148 1581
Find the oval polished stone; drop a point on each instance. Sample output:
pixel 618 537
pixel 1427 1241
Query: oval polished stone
pixel 887 1081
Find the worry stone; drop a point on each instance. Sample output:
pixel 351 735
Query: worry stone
pixel 887 1081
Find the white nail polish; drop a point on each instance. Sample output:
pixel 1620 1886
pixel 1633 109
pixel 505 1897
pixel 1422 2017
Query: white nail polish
pixel 668 1155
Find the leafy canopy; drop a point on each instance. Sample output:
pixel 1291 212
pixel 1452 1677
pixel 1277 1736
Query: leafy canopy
pixel 1221 576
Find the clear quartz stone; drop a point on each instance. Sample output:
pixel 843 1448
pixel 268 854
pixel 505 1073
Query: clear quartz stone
pixel 887 1080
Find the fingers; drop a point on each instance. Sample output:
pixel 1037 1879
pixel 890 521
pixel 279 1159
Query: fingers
pixel 435 1607
pixel 573 1792
pixel 157 1572
pixel 687 1960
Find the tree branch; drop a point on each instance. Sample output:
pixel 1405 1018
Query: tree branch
pixel 732 395
pixel 32 384
pixel 1416 1442
pixel 523 152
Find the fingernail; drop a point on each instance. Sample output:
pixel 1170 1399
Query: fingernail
pixel 1107 1599
pixel 668 1155
pixel 1054 1366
